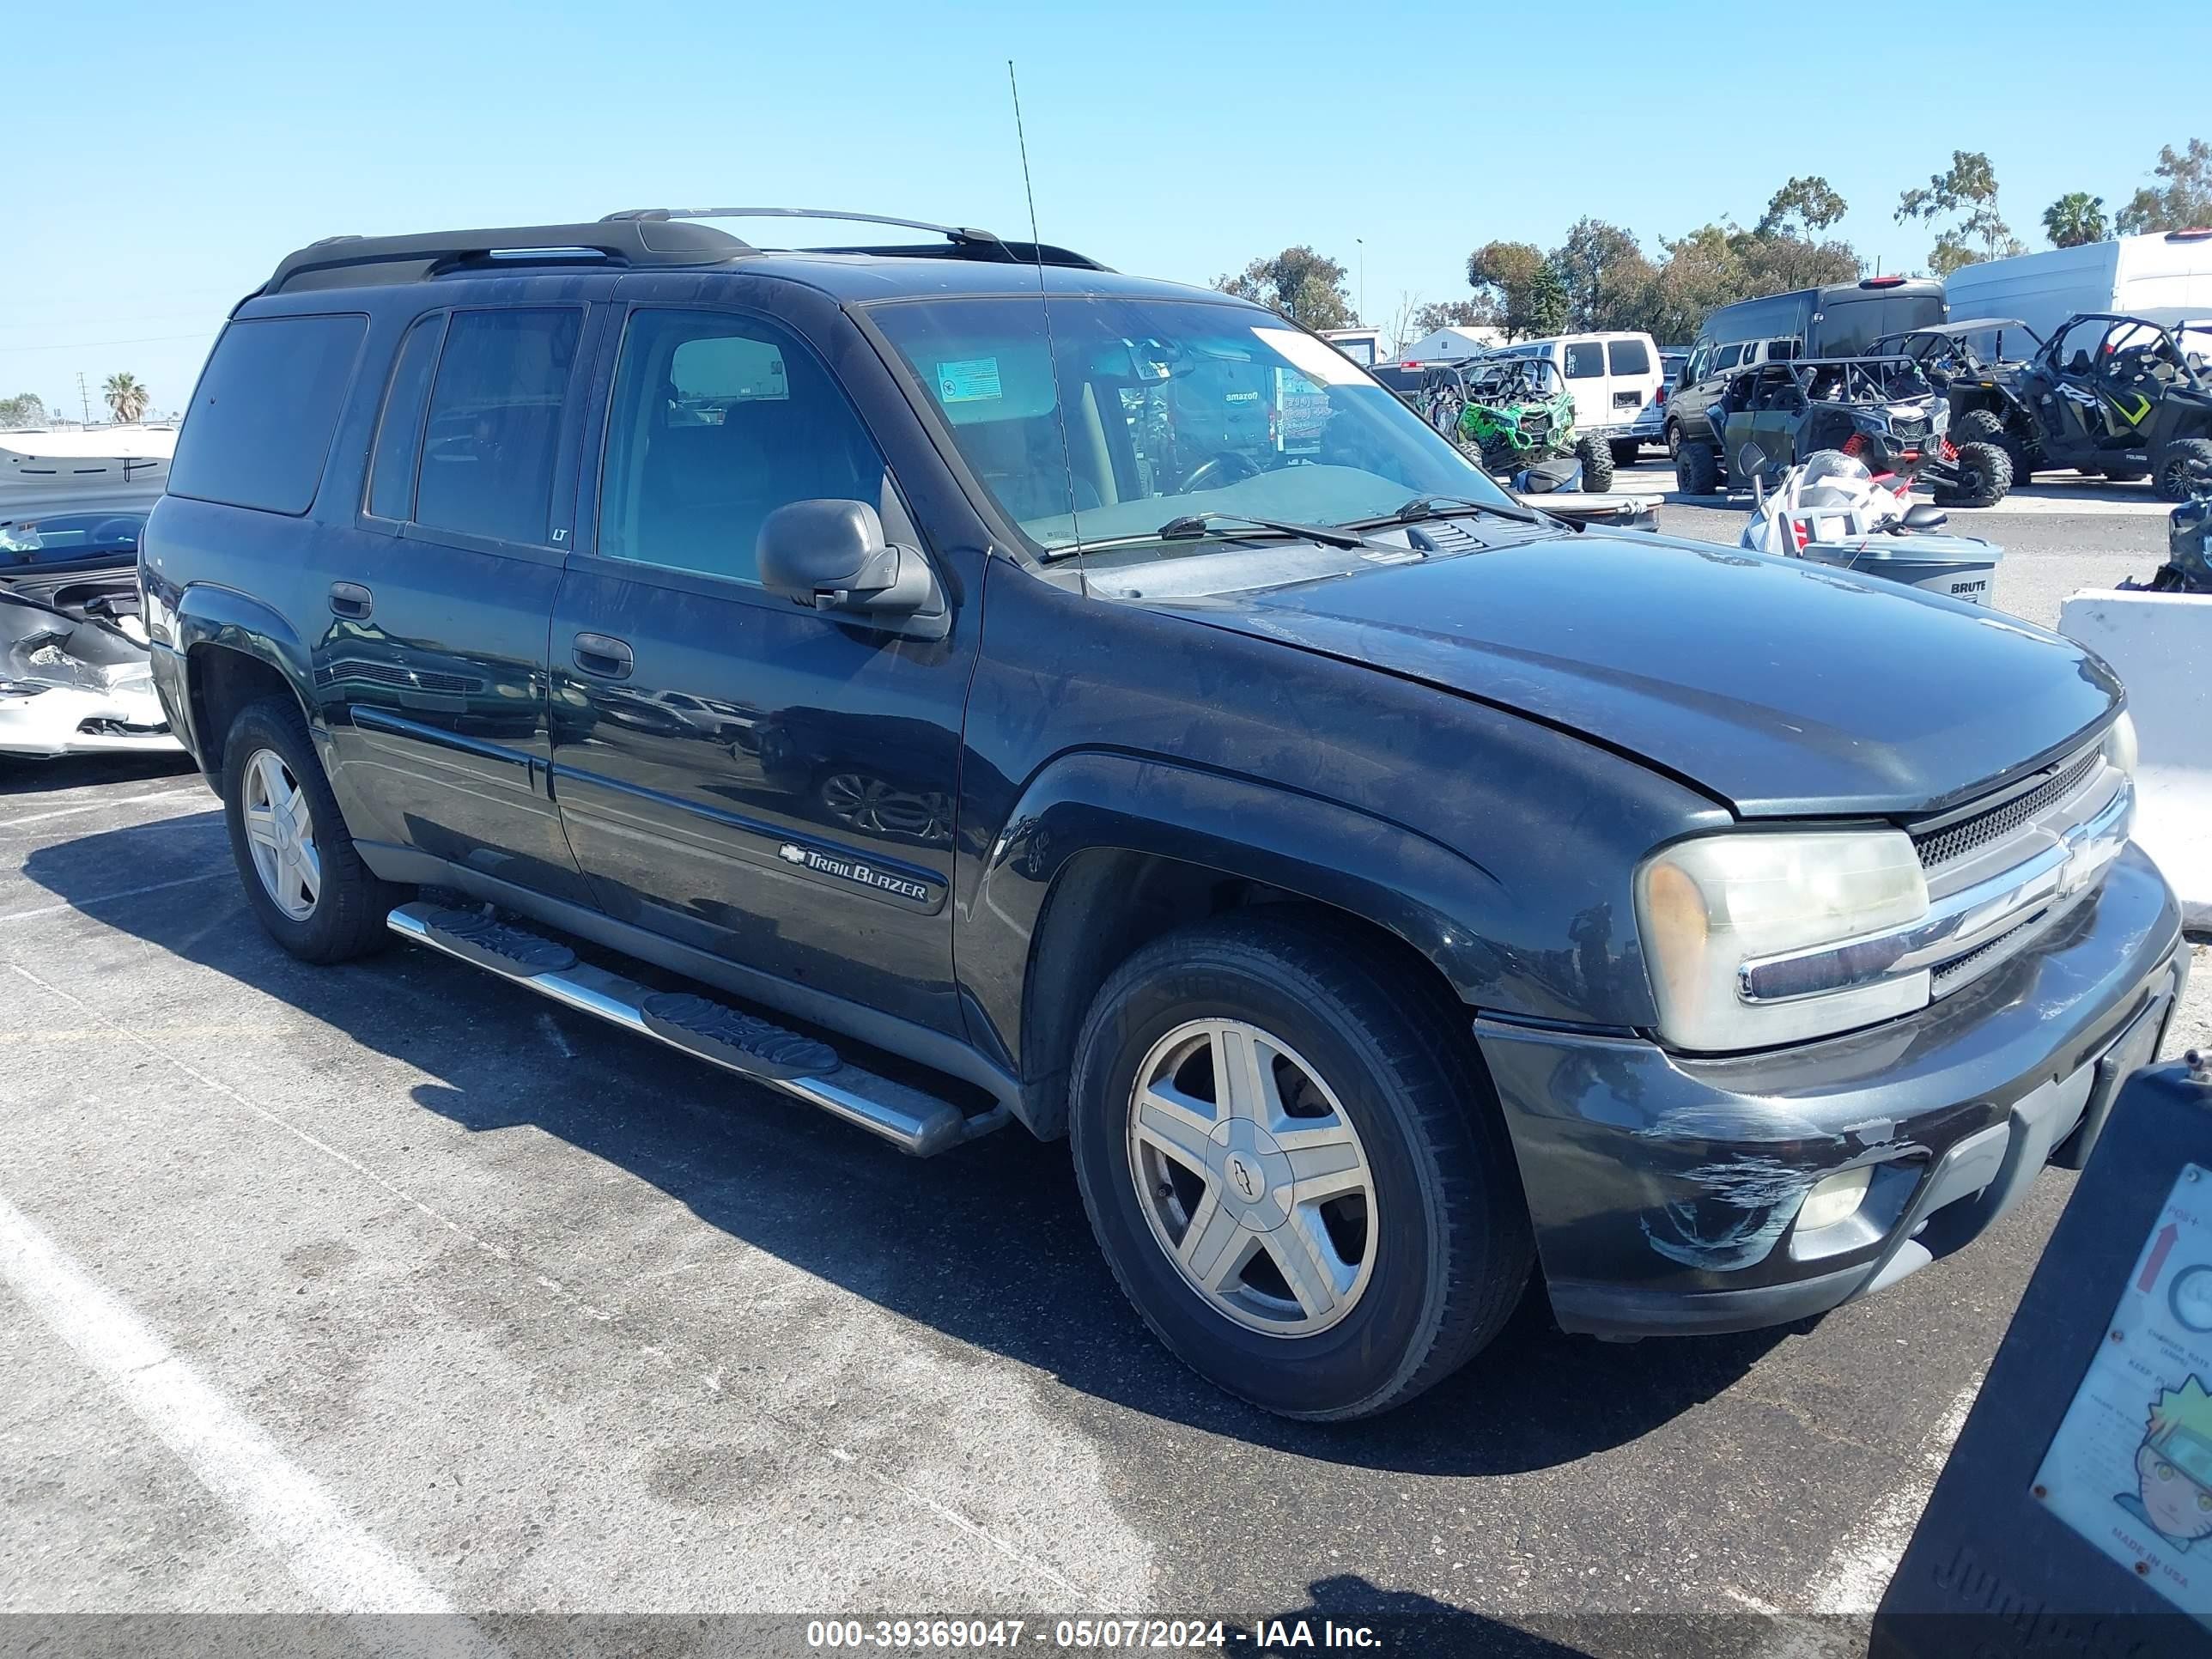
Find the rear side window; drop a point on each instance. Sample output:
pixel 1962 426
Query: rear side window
pixel 1628 357
pixel 260 425
pixel 399 427
pixel 1585 359
pixel 488 441
pixel 1728 358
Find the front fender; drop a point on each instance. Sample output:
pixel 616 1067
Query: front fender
pixel 1496 953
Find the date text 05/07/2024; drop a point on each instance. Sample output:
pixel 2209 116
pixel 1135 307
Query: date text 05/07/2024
pixel 1193 1635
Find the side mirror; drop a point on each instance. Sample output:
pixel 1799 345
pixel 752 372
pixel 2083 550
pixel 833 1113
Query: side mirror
pixel 1751 462
pixel 1922 516
pixel 831 555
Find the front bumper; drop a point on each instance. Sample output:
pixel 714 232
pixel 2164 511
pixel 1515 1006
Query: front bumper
pixel 1665 1190
pixel 122 718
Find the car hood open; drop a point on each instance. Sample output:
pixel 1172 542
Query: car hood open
pixel 1781 687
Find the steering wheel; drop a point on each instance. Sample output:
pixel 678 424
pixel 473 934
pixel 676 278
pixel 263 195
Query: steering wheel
pixel 1215 471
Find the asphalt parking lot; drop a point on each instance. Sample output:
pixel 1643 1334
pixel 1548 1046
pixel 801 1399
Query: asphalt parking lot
pixel 390 1288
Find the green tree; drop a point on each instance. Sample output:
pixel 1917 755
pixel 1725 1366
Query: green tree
pixel 1426 319
pixel 1504 276
pixel 1306 287
pixel 1968 188
pixel 2184 201
pixel 1605 274
pixel 1547 302
pixel 24 409
pixel 1800 208
pixel 2075 218
pixel 125 398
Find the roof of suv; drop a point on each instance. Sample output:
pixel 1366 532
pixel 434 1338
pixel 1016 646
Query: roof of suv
pixel 968 261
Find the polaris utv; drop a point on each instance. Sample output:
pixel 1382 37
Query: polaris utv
pixel 2124 397
pixel 1515 412
pixel 1977 364
pixel 1883 411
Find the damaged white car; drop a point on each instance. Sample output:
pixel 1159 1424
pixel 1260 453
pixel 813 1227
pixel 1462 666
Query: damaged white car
pixel 74 677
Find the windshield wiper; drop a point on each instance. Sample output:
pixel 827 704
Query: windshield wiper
pixel 1199 524
pixel 1195 525
pixel 1446 507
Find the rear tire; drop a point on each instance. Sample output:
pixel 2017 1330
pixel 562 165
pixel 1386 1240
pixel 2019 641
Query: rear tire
pixel 1416 1277
pixel 1986 426
pixel 2175 463
pixel 2122 473
pixel 316 898
pixel 1984 475
pixel 1625 451
pixel 1596 457
pixel 1696 470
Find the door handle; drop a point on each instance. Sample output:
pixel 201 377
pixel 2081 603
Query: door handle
pixel 602 656
pixel 351 600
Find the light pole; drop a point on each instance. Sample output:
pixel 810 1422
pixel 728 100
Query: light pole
pixel 1362 243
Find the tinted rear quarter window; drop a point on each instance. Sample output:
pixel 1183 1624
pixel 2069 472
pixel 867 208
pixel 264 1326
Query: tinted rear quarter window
pixel 261 418
pixel 1585 359
pixel 399 427
pixel 494 419
pixel 1628 357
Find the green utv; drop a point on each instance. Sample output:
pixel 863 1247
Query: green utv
pixel 1514 413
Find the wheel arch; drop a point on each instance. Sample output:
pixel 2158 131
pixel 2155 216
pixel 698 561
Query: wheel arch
pixel 236 650
pixel 1108 852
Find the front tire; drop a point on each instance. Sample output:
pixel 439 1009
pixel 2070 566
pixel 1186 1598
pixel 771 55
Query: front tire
pixel 1596 457
pixel 2176 462
pixel 1984 474
pixel 303 878
pixel 1696 470
pixel 1296 1166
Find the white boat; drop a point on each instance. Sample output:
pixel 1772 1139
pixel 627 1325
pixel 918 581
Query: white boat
pixel 64 461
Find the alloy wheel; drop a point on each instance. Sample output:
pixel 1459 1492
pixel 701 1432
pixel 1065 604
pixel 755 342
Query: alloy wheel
pixel 1252 1177
pixel 281 832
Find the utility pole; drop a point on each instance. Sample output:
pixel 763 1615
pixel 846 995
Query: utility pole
pixel 84 397
pixel 1362 241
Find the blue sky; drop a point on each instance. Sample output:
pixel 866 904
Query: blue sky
pixel 177 152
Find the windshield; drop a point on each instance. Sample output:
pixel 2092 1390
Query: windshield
pixel 69 536
pixel 1172 407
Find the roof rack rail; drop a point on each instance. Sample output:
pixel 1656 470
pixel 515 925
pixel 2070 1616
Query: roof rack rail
pixel 967 241
pixel 357 261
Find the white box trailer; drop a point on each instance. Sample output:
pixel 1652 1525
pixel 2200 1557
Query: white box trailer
pixel 2165 275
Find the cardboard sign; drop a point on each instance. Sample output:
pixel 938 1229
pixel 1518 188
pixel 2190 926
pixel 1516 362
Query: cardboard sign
pixel 2067 1519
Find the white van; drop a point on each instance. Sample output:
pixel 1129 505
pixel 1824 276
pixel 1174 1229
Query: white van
pixel 2165 275
pixel 1614 379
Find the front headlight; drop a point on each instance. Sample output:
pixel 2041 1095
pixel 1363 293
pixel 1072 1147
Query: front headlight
pixel 2120 744
pixel 1707 908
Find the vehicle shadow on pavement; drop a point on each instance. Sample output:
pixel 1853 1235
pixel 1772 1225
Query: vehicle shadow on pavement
pixel 988 1245
pixel 46 777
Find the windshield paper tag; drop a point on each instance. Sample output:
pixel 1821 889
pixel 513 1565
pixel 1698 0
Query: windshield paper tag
pixel 1318 360
pixel 974 380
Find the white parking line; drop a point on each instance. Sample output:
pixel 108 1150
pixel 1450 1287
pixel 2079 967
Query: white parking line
pixel 344 1568
pixel 1860 1569
pixel 6 824
pixel 104 898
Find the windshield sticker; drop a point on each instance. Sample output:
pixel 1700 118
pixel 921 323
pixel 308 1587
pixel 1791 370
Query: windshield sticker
pixel 972 380
pixel 1316 360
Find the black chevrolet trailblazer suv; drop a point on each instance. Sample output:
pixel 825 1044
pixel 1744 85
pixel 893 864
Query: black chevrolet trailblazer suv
pixel 1101 701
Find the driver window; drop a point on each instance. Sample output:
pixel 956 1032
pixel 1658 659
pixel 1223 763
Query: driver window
pixel 717 421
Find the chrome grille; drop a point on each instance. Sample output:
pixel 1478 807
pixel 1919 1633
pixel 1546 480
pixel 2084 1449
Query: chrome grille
pixel 1957 840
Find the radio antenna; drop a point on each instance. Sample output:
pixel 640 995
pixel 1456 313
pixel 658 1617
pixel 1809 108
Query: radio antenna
pixel 1051 351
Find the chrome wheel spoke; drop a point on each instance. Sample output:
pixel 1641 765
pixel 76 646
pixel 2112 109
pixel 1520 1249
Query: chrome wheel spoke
pixel 1170 1120
pixel 280 834
pixel 1243 1081
pixel 1304 1255
pixel 1214 1248
pixel 1326 1161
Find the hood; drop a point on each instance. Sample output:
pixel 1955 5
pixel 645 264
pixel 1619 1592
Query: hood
pixel 1781 687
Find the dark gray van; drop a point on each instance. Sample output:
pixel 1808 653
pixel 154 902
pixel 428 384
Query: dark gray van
pixel 1839 320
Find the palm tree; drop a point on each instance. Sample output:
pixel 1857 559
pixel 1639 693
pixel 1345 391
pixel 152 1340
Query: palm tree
pixel 2075 218
pixel 126 397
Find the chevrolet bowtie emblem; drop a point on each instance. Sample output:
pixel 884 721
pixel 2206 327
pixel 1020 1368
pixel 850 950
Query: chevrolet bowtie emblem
pixel 793 854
